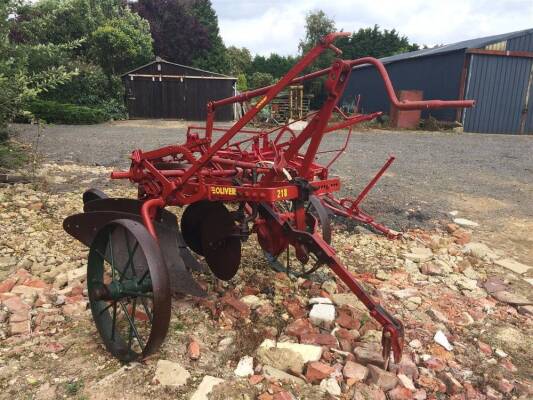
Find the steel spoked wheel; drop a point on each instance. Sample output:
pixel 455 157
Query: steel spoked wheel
pixel 317 220
pixel 129 290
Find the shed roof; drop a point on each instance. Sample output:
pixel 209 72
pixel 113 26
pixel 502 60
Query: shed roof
pixel 161 60
pixel 465 44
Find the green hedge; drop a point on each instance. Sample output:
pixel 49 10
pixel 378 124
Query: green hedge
pixel 70 114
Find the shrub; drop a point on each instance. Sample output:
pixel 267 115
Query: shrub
pixel 71 114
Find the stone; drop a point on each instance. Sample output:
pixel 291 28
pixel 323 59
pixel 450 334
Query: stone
pixel 308 352
pixel 319 300
pixel 283 359
pixel 225 344
pixel 513 265
pixel 77 274
pixel 400 393
pixel 330 286
pixel 384 379
pixel 353 370
pixel 15 304
pixel 242 309
pixel 46 392
pixel 322 315
pixel 205 387
pixel 441 339
pixel 316 371
pixel 452 385
pixel 465 222
pixel 437 316
pixel 406 382
pixel 299 327
pixel 347 299
pixel 461 237
pixel 526 310
pixel 479 250
pixel 20 328
pixel 368 354
pixel 405 293
pixel 345 319
pixel 320 339
pixel 415 344
pixel 27 291
pixel 492 394
pixel 419 254
pixel 511 298
pixel 283 395
pixel 169 373
pixel 245 367
pixel 431 269
pixel 193 350
pixel 407 367
pixel 278 375
pixel 251 301
pixel 7 285
pixel 331 386
pixel 74 309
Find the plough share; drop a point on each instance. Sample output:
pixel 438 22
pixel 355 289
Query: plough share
pixel 277 189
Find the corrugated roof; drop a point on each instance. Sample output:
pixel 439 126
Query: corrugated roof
pixel 465 44
pixel 161 60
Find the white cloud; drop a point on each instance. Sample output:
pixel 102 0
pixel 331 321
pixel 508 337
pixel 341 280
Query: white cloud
pixel 277 26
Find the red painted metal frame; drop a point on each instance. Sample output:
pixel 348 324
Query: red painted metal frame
pixel 261 169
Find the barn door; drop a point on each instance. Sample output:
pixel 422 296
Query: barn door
pixel 499 85
pixel 173 98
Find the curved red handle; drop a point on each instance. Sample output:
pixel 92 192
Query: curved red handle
pixel 408 105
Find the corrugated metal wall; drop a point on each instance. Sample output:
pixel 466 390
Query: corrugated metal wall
pixel 521 43
pixel 499 85
pixel 437 76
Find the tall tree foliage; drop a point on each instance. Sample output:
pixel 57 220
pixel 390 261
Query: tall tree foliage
pixel 177 34
pixel 374 42
pixel 121 44
pixel 215 58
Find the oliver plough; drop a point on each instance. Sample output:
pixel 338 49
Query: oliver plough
pixel 233 183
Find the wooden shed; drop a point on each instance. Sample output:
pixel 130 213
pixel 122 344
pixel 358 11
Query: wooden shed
pixel 166 90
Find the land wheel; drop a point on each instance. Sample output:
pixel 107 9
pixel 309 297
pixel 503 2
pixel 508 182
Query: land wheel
pixel 129 290
pixel 317 220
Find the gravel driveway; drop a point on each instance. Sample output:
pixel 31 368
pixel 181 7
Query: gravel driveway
pixel 486 178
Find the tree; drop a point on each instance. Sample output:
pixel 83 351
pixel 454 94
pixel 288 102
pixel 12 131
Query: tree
pixel 317 24
pixel 19 84
pixel 215 57
pixel 373 42
pixel 121 44
pixel 177 34
pixel 260 79
pixel 239 60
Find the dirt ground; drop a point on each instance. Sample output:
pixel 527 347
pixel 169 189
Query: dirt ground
pixel 484 177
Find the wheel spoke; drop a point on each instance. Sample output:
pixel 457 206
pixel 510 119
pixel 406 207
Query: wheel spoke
pixel 131 253
pixel 130 334
pixel 144 276
pixel 132 325
pixel 147 310
pixel 113 325
pixel 105 308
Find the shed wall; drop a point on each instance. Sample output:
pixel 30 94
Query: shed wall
pixel 521 43
pixel 176 98
pixel 438 76
pixel 499 85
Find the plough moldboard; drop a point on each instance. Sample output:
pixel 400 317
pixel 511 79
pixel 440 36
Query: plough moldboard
pixel 140 255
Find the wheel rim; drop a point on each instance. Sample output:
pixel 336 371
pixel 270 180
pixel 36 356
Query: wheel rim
pixel 128 290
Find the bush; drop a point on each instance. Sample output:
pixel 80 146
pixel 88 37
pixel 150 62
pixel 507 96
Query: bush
pixel 71 114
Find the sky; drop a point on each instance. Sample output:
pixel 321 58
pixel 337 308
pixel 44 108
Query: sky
pixel 267 26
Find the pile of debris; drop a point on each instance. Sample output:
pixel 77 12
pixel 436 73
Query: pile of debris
pixel 466 307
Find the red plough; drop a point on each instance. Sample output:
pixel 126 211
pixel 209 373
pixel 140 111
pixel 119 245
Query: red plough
pixel 138 256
